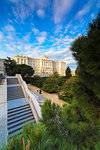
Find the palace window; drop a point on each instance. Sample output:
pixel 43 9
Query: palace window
pixel 24 61
pixel 18 60
pixel 21 61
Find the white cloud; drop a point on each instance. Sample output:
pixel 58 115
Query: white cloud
pixel 43 33
pixel 1 35
pixel 34 52
pixel 61 8
pixel 24 9
pixel 62 41
pixel 72 32
pixel 69 59
pixel 67 27
pixel 36 31
pixel 42 37
pixel 52 52
pixel 68 39
pixel 10 37
pixel 58 29
pixel 26 37
pixel 28 47
pixel 42 3
pixel 41 13
pixel 19 47
pixel 3 54
pixel 9 28
pixel 59 55
pixel 10 47
pixel 10 21
pixel 85 9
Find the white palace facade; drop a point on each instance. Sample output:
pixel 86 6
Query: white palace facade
pixel 43 67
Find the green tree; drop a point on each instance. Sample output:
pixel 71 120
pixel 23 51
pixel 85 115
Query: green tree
pixel 86 51
pixel 9 65
pixel 68 72
pixel 51 83
pixel 66 93
pixel 76 71
pixel 55 75
pixel 36 80
pixel 81 119
pixel 25 70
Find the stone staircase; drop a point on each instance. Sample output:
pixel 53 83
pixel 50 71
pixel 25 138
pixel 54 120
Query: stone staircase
pixel 19 110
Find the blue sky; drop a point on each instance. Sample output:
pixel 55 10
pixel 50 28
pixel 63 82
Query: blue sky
pixel 35 27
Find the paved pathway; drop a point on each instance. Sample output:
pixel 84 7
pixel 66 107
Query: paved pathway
pixel 53 97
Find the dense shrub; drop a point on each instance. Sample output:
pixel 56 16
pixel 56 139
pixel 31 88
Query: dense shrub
pixel 36 81
pixel 50 85
pixel 53 83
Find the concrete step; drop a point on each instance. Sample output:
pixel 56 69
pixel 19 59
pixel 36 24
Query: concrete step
pixel 18 115
pixel 15 88
pixel 16 124
pixel 15 97
pixel 13 113
pixel 18 107
pixel 14 93
pixel 16 120
pixel 18 132
pixel 19 127
pixel 12 81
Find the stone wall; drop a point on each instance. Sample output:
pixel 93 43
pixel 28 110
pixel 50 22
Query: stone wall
pixel 2 68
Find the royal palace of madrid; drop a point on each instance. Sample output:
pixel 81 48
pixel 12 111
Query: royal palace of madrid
pixel 43 67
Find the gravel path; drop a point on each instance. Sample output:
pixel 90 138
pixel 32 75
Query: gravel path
pixel 53 97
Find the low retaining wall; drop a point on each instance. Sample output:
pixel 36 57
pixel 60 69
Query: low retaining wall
pixel 3 112
pixel 36 109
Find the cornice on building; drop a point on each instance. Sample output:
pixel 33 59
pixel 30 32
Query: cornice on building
pixel 22 56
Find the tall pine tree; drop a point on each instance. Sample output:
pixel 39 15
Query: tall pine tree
pixel 86 51
pixel 68 72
